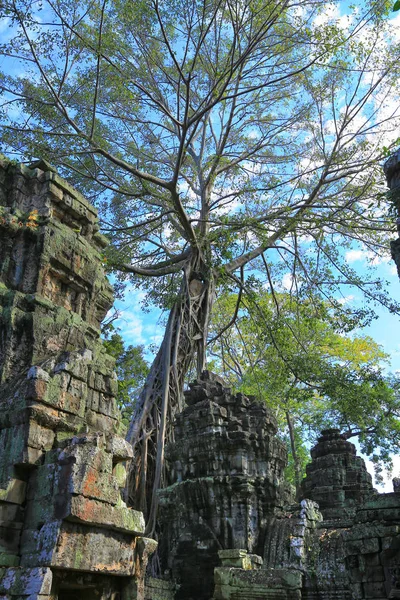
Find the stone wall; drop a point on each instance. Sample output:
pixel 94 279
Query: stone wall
pixel 65 531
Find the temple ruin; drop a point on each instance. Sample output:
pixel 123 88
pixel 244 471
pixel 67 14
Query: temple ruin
pixel 229 525
pixel 65 532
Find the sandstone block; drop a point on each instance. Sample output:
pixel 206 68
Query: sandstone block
pixel 92 550
pixel 87 481
pixel 120 449
pixel 14 491
pixel 102 515
pixel 27 581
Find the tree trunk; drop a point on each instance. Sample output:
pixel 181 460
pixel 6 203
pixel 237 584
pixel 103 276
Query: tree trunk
pixel 162 395
pixel 296 461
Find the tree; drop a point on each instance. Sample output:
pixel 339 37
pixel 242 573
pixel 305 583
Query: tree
pixel 294 356
pixel 212 134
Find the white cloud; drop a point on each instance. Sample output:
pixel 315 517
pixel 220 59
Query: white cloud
pixel 395 27
pixel 253 134
pixel 346 299
pixel 131 324
pixel 366 255
pixel 330 14
pixel 354 255
pixel 287 281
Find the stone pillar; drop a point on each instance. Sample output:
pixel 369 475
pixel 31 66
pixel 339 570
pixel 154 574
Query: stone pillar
pixel 65 531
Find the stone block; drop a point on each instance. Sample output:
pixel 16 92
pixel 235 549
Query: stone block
pixel 157 589
pixel 274 584
pixel 100 422
pixel 41 482
pixel 76 547
pixel 120 449
pixel 9 560
pixel 93 399
pixel 64 392
pixel 374 590
pixel 40 510
pixel 38 545
pixel 88 450
pixel 9 537
pixel 26 581
pixel 363 546
pixel 120 474
pixel 12 445
pixel 13 491
pixel 234 558
pixel 102 515
pixel 87 481
pixel 373 575
pixel 10 513
pixel 39 437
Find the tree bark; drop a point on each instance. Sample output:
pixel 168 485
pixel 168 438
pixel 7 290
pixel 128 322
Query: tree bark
pixel 162 396
pixel 296 461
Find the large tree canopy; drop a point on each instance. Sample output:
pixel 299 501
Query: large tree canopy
pixel 212 134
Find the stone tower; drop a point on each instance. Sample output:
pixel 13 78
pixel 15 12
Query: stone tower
pixel 65 532
pixel 226 479
pixel 337 479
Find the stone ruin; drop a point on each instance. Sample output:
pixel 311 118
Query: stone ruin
pixel 229 527
pixel 65 532
pixel 228 511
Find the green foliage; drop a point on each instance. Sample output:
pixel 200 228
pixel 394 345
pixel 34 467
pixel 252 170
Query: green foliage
pixel 293 356
pixel 132 370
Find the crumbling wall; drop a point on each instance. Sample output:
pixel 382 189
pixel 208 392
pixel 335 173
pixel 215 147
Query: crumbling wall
pixel 228 509
pixel 226 478
pixel 65 531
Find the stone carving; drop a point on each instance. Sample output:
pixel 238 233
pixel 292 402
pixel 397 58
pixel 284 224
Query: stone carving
pixel 65 532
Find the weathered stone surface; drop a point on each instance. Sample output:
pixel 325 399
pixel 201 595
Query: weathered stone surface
pixel 245 584
pixel 337 478
pixel 226 476
pixel 157 589
pixel 347 547
pixel 14 492
pixel 62 460
pixel 69 546
pixel 26 581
